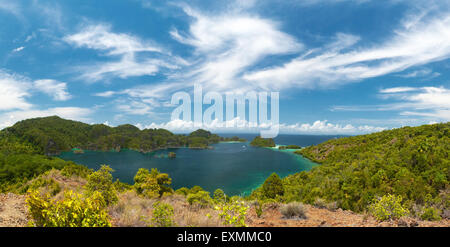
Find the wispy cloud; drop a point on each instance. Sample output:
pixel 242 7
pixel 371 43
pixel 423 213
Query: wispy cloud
pixel 56 89
pixel 426 72
pixel 100 37
pixel 14 90
pixel 11 7
pixel 18 49
pixel 141 100
pixel 398 90
pixel 416 43
pixel 227 45
pixel 433 103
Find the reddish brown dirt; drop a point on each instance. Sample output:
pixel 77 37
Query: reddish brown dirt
pixel 317 217
pixel 13 211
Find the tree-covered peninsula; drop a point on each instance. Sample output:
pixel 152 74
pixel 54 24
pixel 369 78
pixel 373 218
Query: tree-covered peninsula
pixel 410 163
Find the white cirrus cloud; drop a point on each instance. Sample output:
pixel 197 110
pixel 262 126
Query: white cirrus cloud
pixel 418 42
pixel 228 44
pixel 18 49
pixel 100 37
pixel 56 89
pixel 431 103
pixel 398 90
pixel 426 72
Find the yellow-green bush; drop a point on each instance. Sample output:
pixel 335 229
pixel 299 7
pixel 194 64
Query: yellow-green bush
pixel 219 196
pixel 152 184
pixel 430 213
pixel 233 214
pixel 201 199
pixel 50 184
pixel 76 170
pixel 182 191
pixel 388 207
pixel 73 211
pixel 162 215
pixel 101 181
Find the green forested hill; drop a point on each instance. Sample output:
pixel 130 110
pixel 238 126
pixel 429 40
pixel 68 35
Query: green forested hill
pixel 412 162
pixel 51 135
pixel 24 147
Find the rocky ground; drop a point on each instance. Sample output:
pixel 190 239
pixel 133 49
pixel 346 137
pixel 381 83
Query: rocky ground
pixel 13 211
pixel 318 217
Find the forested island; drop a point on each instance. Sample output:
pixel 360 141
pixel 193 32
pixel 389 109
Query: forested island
pixel 395 177
pixel 262 142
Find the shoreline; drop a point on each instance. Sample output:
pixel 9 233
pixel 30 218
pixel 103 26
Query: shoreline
pixel 247 192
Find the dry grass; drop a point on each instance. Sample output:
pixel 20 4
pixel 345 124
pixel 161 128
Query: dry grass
pixel 133 210
pixel 130 210
pixel 293 210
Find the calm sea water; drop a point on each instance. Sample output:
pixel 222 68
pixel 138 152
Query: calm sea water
pixel 237 168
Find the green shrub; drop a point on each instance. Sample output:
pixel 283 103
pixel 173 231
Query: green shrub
pixel 293 210
pixel 102 181
pixel 272 187
pixel 430 213
pixel 121 186
pixel 219 196
pixel 73 211
pixel 51 186
pixel 201 199
pixel 162 215
pixel 152 183
pixel 233 214
pixel 322 203
pixel 259 209
pixel 182 191
pixel 195 189
pixel 76 170
pixel 388 207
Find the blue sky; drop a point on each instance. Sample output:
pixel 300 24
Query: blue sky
pixel 341 66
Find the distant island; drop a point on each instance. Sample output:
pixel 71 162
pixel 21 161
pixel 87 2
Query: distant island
pixel 262 142
pixel 289 147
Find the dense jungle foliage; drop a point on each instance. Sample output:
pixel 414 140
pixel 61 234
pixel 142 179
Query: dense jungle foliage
pixel 51 135
pixel 410 162
pixel 24 147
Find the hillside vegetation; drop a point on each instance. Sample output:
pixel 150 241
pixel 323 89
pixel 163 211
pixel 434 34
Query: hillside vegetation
pixel 411 163
pixel 51 135
pixel 24 147
pixel 398 176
